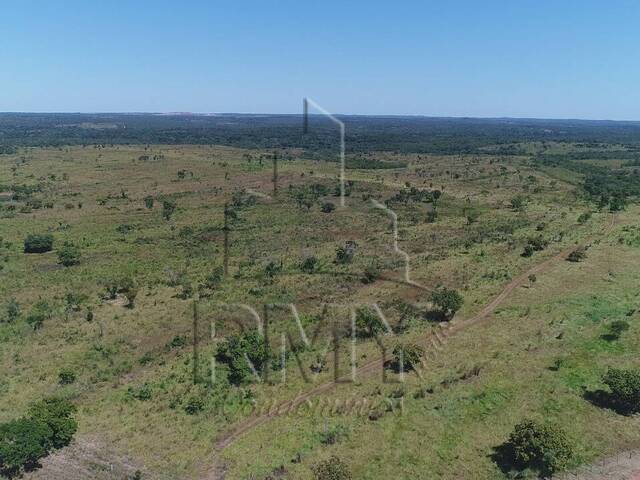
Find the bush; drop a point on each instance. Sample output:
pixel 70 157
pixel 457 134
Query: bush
pixel 214 278
pixel 371 273
pixel 345 254
pixel 66 376
pixel 69 254
pixel 148 202
pixel 168 207
pixel 12 310
pixel 584 218
pixel 625 389
pixel 142 393
pixel 541 447
pixel 38 314
pixel 235 351
pixel 333 435
pixel 35 243
pixel 577 255
pixel 332 469
pixel 408 356
pixel 328 207
pixel 446 301
pixel 368 323
pixel 309 264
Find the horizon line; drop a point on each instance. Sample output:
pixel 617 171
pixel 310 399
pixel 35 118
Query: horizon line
pixel 370 115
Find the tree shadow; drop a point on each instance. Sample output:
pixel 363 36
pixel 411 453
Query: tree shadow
pixel 503 456
pixel 603 399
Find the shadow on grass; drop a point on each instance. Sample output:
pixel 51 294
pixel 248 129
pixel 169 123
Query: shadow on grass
pixel 604 399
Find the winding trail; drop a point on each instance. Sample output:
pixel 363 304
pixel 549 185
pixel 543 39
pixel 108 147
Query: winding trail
pixel 374 365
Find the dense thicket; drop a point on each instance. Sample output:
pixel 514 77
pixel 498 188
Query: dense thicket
pixel 391 133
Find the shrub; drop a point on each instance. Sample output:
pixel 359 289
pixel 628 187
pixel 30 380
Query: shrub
pixel 35 243
pixel 332 469
pixel 541 447
pixel 577 255
pixel 309 264
pixel 142 393
pixel 194 405
pixel 625 389
pixel 69 254
pixel 237 349
pixel 130 291
pixel 345 254
pixel 408 356
pixel 518 203
pixel 528 251
pixel 38 314
pixel 371 273
pixel 446 301
pixel 333 435
pixel 168 207
pixel 12 310
pixel 66 376
pixel 584 218
pixel 328 207
pixel 214 278
pixel 368 323
pixel 148 202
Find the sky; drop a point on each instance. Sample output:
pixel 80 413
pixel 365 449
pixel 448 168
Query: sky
pixel 476 58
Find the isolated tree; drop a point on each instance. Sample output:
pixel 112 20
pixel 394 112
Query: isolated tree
pixel 148 202
pixel 407 355
pixel 625 389
pixel 368 323
pixel 537 446
pixel 446 301
pixel 35 243
pixel 238 350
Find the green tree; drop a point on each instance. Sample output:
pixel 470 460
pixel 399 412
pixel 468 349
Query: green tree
pixel 35 243
pixel 541 447
pixel 148 202
pixel 368 323
pixel 408 355
pixel 22 443
pixel 238 350
pixel 69 254
pixel 58 414
pixel 332 469
pixel 625 389
pixel 446 301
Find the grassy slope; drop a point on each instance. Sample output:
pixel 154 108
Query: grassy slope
pixel 106 353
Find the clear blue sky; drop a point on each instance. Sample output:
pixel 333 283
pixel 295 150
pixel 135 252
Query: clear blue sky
pixel 520 58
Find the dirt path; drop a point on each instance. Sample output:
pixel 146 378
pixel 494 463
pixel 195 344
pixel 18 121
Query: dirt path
pixel 623 466
pixel 375 365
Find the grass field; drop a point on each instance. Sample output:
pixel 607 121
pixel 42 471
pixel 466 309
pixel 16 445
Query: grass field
pixel 132 362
